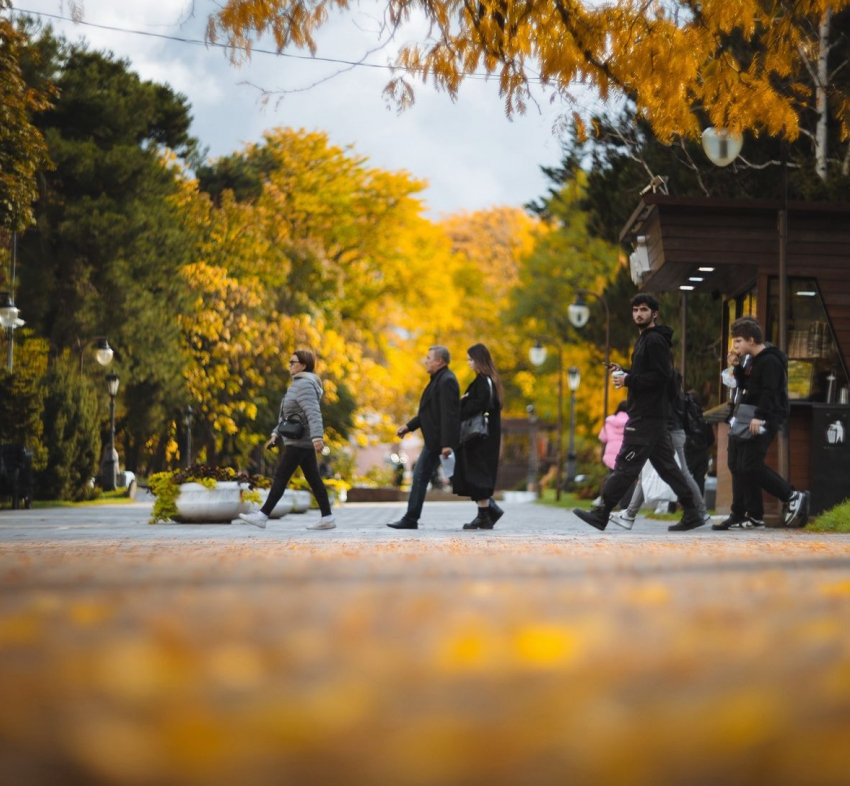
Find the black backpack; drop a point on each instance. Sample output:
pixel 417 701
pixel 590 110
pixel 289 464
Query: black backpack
pixel 692 416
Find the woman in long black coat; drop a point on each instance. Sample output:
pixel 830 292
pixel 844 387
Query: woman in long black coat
pixel 477 461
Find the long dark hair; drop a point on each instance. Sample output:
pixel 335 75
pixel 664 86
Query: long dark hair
pixel 484 365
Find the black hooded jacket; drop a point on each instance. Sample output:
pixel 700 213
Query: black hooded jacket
pixel 651 374
pixel 764 383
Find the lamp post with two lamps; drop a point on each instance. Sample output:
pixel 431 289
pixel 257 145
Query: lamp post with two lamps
pixel 578 313
pixel 104 354
pixel 537 355
pixel 533 467
pixel 102 351
pixel 109 467
pixel 9 320
pixel 188 420
pixel 573 381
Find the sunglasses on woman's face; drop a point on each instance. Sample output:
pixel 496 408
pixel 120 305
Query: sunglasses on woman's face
pixel 294 362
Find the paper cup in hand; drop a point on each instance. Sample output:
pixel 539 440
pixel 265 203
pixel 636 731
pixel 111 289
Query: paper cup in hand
pixel 618 377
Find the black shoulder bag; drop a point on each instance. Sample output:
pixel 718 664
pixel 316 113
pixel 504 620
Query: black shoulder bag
pixel 477 426
pixel 292 427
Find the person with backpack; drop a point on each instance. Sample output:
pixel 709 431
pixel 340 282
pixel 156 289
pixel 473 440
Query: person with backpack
pixel 678 424
pixel 761 409
pixel 651 388
pixel 700 438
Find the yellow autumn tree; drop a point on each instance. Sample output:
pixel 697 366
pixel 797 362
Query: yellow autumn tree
pixel 743 64
pixel 491 248
pixel 324 252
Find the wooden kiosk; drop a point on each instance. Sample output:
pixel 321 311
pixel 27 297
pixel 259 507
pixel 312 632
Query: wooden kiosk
pixel 732 248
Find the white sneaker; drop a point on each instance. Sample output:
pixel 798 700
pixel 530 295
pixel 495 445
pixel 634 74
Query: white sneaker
pixel 323 524
pixel 257 519
pixel 622 519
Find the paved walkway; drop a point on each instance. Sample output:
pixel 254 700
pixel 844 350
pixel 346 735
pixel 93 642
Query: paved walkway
pixel 540 652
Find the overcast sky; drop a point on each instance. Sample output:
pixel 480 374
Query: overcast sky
pixel 469 153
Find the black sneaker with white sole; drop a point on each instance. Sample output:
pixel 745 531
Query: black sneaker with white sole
pixel 596 518
pixel 730 522
pixel 796 512
pixel 691 520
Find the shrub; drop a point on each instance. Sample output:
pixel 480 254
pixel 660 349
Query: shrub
pixel 836 519
pixel 22 399
pixel 71 435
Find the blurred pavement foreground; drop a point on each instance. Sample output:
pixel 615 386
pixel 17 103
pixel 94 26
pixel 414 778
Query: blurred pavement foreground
pixel 541 652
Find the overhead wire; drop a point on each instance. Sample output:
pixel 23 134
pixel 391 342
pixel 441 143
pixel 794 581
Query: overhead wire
pixel 247 50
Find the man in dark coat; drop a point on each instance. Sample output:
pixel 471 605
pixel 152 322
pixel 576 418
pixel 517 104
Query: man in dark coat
pixel 439 419
pixel 651 390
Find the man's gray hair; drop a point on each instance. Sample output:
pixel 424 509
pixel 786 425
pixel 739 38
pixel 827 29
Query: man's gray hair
pixel 441 353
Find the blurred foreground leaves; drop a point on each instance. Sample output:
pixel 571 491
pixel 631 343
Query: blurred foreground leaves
pixel 419 662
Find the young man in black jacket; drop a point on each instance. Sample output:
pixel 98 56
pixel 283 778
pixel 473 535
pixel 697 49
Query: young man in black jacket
pixel 439 419
pixel 650 384
pixel 762 383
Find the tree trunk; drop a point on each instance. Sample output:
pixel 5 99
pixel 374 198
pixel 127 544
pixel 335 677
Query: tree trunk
pixel 820 92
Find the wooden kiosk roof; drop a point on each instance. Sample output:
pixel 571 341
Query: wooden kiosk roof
pixel 740 240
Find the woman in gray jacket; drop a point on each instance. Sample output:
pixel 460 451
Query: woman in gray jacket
pixel 301 400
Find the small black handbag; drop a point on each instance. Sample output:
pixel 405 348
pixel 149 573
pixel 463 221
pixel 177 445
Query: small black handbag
pixel 477 426
pixel 291 428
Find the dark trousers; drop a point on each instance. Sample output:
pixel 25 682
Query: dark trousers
pixel 291 459
pixel 750 476
pixel 426 466
pixel 646 439
pixel 698 467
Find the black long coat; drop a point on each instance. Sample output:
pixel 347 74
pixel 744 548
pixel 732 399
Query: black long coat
pixel 477 462
pixel 439 412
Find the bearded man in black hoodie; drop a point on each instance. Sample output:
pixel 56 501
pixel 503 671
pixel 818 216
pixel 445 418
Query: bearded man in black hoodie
pixel 651 389
pixel 763 384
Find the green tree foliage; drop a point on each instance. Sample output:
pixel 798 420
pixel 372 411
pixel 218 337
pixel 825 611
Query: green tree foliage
pixel 22 398
pixel 71 433
pixel 108 243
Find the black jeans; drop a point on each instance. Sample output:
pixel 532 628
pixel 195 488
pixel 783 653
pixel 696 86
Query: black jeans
pixel 750 476
pixel 426 466
pixel 646 439
pixel 291 459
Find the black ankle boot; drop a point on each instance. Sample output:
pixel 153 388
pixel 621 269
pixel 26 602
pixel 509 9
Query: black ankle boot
pixel 495 511
pixel 482 521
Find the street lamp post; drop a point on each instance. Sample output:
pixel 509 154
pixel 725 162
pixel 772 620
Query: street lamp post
pixel 579 314
pixel 573 380
pixel 188 420
pixel 531 481
pixel 102 351
pixel 109 468
pixel 537 355
pixel 9 321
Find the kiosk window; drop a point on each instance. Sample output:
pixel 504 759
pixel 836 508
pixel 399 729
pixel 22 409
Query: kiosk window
pixel 815 369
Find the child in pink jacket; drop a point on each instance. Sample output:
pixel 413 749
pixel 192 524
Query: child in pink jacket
pixel 612 434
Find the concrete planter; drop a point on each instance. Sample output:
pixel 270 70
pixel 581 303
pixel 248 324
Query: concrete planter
pixel 197 504
pixel 519 496
pixel 302 500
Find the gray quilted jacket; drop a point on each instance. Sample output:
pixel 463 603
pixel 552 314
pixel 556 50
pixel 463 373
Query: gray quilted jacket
pixel 302 399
